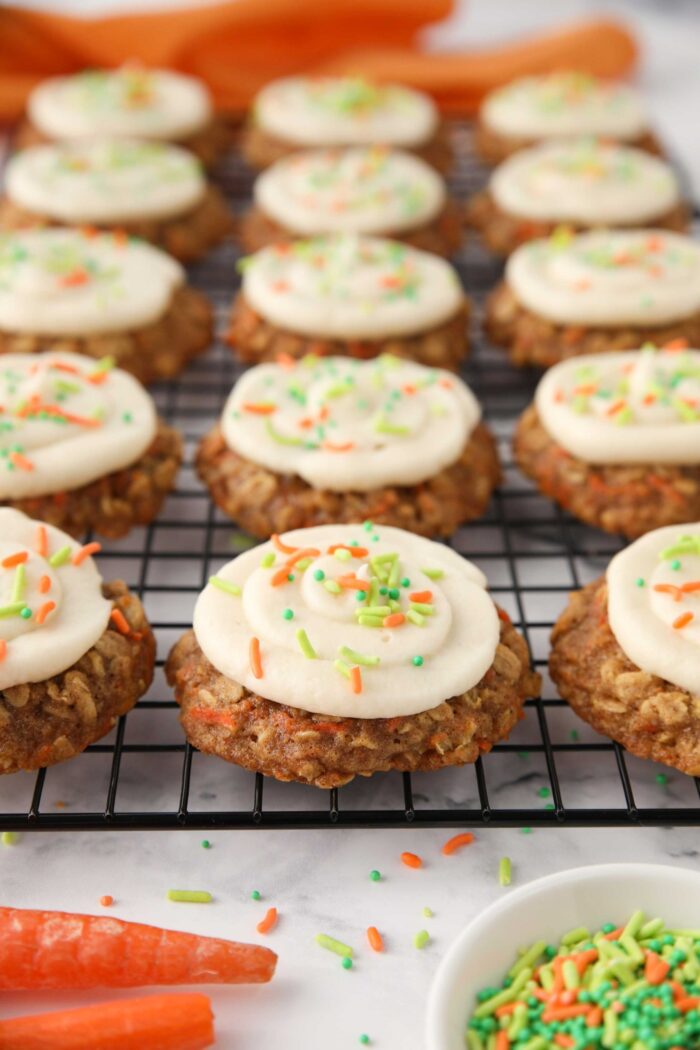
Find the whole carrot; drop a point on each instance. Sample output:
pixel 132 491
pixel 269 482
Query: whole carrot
pixel 61 950
pixel 161 1022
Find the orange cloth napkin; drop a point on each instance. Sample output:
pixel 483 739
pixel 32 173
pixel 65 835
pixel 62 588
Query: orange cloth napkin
pixel 239 45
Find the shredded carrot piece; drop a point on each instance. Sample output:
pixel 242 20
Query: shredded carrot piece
pixel 255 660
pixel 43 612
pixel 421 596
pixel 281 547
pixel 120 621
pixel 411 860
pixel 456 842
pixel 375 939
pixel 356 680
pixel 15 559
pixel 85 552
pixel 259 409
pixel 683 620
pixel 357 552
pixel 270 920
pixel 394 620
pixel 42 543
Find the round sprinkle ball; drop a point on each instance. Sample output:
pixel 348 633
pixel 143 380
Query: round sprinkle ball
pixel 375 875
pixel 206 844
pixel 417 661
pixel 255 895
pixel 319 575
pixel 364 1040
pixel 288 614
pixel 347 963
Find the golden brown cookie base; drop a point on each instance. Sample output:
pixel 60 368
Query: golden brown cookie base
pixel 114 504
pixel 209 144
pixel 186 237
pixel 629 499
pixel 221 717
pixel 260 149
pixel 502 232
pixel 156 351
pixel 442 235
pixel 48 722
pixel 493 148
pixel 255 339
pixel 263 502
pixel 647 715
pixel 534 341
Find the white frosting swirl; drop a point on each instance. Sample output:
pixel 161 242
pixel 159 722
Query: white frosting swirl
pixel 66 420
pixel 443 646
pixel 129 103
pixel 347 425
pixel 585 182
pixel 642 406
pixel 614 277
pixel 105 181
pixel 73 282
pixel 560 104
pixel 345 111
pixel 348 287
pixel 65 611
pixel 364 190
pixel 654 604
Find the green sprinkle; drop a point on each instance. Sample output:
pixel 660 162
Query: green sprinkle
pixel 256 895
pixel 360 596
pixel 281 439
pixel 639 581
pixel 417 661
pixel 60 557
pixel 319 575
pixel 405 582
pixel 363 1039
pixel 267 560
pixel 415 617
pixel 346 963
pixel 190 896
pixel 375 875
pixel 423 608
pixel 12 610
pixel 18 584
pixel 205 844
pixel 433 574
pixel 342 554
pixel 661 779
pixel 224 585
pixel 544 792
pixel 341 666
pixel 374 610
pixel 526 831
pixel 332 945
pixel 26 613
pixel 421 939
pixel 9 838
pixel 504 871
pixel 305 645
pixel 332 587
pixel 288 614
pixel 428 913
pixel 368 525
pixel 358 658
pixel 383 426
pixel 370 621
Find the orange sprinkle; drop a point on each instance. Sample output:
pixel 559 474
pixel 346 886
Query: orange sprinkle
pixel 255 660
pixel 259 409
pixel 411 860
pixel 584 959
pixel 409 388
pixel 281 547
pixel 330 446
pixel 280 286
pixel 561 1039
pixel 421 596
pixel 43 612
pixel 689 1002
pixel 655 968
pixel 506 1009
pixel 614 935
pixel 89 231
pixel 690 587
pixel 503 615
pixel 676 344
pixel 3 649
pixel 594 1018
pixel 44 585
pixel 74 278
pixel 357 552
pixel 42 543
pixel 106 901
pixel 270 920
pixel 98 378
pixel 456 842
pixel 86 552
pixel 669 588
pixel 616 407
pixel 352 583
pixel 304 552
pixel 683 620
pixel 285 361
pixel 394 620
pixel 280 577
pixel 15 559
pixel 375 939
pixel 120 621
pixel 446 384
pixel 356 680
pixel 21 461
pixel 564 1013
pixel 502 1040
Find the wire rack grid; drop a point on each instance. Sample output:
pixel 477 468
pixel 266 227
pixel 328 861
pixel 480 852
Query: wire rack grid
pixel 554 771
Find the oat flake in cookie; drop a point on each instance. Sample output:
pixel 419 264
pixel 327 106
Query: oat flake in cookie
pixel 347 294
pixel 332 439
pixel 596 292
pixel 75 653
pixel 626 651
pixel 100 295
pixel 343 650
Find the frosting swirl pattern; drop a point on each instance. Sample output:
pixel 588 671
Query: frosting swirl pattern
pixel 641 406
pixel 608 277
pixel 348 287
pixel 654 604
pixel 347 425
pixel 345 111
pixel 560 104
pixel 586 182
pixel 105 181
pixel 72 282
pixel 129 102
pixel 51 605
pixel 350 621
pixel 66 420
pixel 363 190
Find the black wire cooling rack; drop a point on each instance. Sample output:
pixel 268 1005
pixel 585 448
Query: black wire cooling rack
pixel 554 771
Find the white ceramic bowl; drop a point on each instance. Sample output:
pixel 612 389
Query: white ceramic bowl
pixel 546 909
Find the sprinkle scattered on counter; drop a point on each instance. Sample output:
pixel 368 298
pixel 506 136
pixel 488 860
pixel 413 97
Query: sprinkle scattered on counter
pixel 364 1040
pixel 9 838
pixel 256 895
pixel 269 922
pixel 107 900
pixel 375 876
pixel 421 939
pixel 190 896
pixel 205 844
pixel 346 962
pixel 332 945
pixel 411 860
pixel 544 792
pixel 661 779
pixel 376 942
pixel 428 913
pixel 457 842
pixel 505 871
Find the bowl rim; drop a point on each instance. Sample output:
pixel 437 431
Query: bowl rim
pixel 443 979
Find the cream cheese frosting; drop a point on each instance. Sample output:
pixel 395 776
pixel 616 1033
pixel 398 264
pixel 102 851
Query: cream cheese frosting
pixel 66 420
pixel 349 287
pixel 129 102
pixel 347 425
pixel 654 604
pixel 614 277
pixel 105 181
pixel 354 621
pixel 74 282
pixel 562 104
pixel 345 111
pixel 586 182
pixel 362 190
pixel 641 406
pixel 51 605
